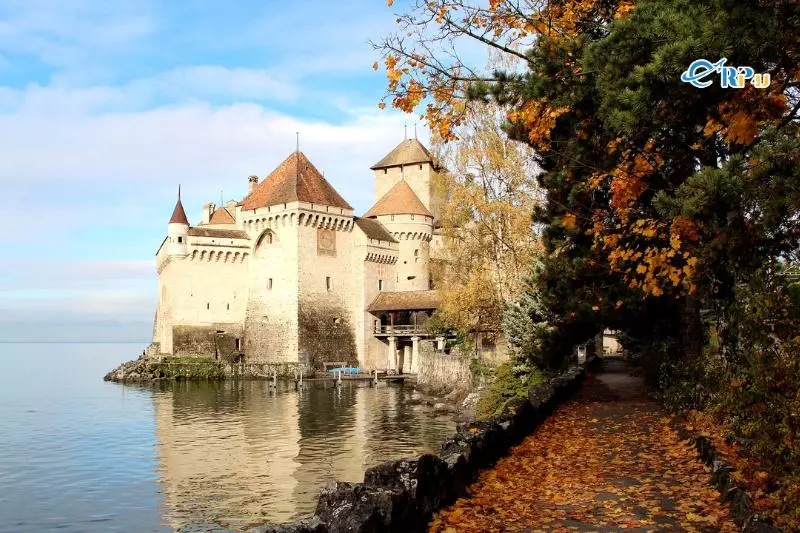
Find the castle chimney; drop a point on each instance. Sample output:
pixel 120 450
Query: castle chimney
pixel 208 210
pixel 252 181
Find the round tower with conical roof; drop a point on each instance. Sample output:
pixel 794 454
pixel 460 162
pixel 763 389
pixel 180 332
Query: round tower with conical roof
pixel 178 230
pixel 404 215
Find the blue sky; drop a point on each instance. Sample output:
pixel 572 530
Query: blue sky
pixel 106 106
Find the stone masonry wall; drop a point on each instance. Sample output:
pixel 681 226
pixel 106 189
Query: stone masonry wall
pixel 205 341
pixel 439 370
pixel 325 335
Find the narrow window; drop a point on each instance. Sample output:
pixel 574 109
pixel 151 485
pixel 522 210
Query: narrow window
pixel 238 345
pixel 269 284
pixel 180 240
pixel 430 284
pixel 420 167
pixel 228 306
pixel 208 305
pixel 416 252
pixel 412 217
pixel 384 171
pixel 380 284
pixel 328 282
pixel 392 217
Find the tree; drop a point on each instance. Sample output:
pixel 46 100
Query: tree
pixel 489 191
pixel 665 203
pixel 622 141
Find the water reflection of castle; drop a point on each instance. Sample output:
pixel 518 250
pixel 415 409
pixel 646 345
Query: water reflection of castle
pixel 235 453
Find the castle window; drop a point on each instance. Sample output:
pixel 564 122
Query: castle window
pixel 208 305
pixel 412 217
pixel 228 306
pixel 392 218
pixel 420 167
pixel 180 240
pixel 269 284
pixel 430 284
pixel 238 345
pixel 328 282
pixel 385 170
pixel 416 252
pixel 380 284
pixel 412 277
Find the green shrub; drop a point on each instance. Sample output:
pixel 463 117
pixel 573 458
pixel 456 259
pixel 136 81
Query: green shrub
pixel 510 381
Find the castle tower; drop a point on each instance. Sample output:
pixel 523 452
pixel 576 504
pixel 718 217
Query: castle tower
pixel 412 162
pixel 178 230
pixel 301 301
pixel 405 216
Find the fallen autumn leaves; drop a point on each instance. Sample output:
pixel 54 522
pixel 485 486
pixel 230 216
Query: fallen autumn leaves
pixel 607 460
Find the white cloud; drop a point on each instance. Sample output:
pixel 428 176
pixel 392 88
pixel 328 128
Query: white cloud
pixel 204 147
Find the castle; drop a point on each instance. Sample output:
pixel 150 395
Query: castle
pixel 290 274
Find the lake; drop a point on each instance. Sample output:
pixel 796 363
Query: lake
pixel 79 454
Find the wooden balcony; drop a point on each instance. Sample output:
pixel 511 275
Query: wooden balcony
pixel 398 330
pixel 408 330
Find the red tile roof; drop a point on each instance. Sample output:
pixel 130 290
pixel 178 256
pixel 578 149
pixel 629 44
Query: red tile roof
pixel 374 229
pixel 178 214
pixel 400 200
pixel 408 152
pixel 294 179
pixel 405 301
pixel 203 231
pixel 221 216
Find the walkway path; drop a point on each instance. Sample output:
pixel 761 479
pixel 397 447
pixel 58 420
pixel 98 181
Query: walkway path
pixel 605 461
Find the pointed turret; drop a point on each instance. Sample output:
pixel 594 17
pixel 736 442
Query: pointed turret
pixel 408 152
pixel 178 214
pixel 178 229
pixel 400 200
pixel 411 162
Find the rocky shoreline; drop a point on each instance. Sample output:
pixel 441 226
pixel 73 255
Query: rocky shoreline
pixel 147 369
pixel 401 496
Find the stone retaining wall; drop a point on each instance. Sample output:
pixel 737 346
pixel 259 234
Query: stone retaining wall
pixel 439 370
pixel 148 369
pixel 743 510
pixel 401 496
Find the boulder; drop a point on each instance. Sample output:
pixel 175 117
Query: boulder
pixel 424 478
pixel 305 525
pixel 358 508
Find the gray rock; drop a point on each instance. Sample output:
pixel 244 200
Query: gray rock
pixel 305 525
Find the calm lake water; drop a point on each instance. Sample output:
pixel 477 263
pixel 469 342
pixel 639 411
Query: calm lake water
pixel 78 454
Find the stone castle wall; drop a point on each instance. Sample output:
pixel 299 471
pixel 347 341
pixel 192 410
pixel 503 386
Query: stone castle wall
pixel 199 290
pixel 439 370
pixel 374 263
pixel 413 233
pixel 271 318
pixel 327 291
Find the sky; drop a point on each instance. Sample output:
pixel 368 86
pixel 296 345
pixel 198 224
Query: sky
pixel 106 106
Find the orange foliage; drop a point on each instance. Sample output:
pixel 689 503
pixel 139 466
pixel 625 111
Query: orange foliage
pixel 596 464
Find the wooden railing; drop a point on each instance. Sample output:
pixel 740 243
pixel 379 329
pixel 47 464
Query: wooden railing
pixel 401 329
